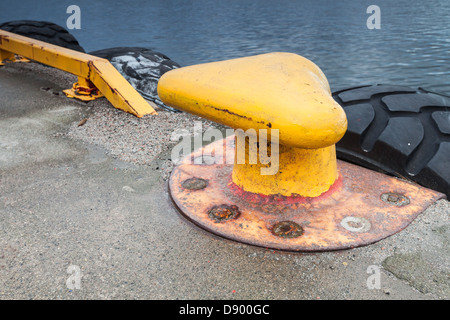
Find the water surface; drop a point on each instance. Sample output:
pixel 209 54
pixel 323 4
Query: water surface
pixel 411 48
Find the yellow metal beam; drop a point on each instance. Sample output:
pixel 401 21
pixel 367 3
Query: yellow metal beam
pixel 92 69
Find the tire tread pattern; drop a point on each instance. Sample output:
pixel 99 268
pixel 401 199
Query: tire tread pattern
pixel 43 31
pixel 398 130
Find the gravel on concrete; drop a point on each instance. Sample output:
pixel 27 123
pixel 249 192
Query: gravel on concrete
pixel 136 140
pixel 94 196
pixel 120 134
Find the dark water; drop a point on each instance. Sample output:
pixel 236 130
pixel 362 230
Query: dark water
pixel 411 48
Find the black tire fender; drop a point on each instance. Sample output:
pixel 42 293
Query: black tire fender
pixel 398 130
pixel 43 31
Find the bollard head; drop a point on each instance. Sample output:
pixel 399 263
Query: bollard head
pixel 276 90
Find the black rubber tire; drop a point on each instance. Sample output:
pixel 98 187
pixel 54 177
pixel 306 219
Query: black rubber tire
pixel 43 31
pixel 142 67
pixel 398 130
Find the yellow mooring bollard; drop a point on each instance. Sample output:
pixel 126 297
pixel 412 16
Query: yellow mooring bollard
pixel 311 202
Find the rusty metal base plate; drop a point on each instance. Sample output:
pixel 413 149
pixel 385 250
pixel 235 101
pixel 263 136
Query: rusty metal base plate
pixel 362 207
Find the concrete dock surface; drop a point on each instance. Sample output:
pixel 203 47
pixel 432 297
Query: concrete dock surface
pixel 93 198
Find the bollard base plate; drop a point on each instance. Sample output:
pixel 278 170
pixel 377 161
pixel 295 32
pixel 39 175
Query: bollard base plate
pixel 361 208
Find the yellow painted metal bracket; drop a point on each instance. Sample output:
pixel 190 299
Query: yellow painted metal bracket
pixel 96 76
pixel 8 56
